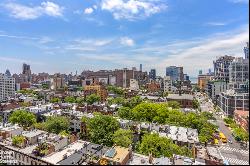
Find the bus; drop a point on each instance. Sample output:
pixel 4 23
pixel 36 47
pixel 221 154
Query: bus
pixel 223 138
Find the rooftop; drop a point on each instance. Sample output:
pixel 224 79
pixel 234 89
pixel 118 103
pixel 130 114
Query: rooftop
pixel 116 154
pixel 32 133
pixel 242 113
pixel 182 97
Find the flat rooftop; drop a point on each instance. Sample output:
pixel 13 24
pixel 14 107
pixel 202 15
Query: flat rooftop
pixel 56 157
pixel 182 97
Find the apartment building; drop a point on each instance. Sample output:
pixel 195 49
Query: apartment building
pixel 96 89
pixel 215 88
pixel 230 101
pixel 203 80
pixel 57 82
pixel 221 67
pixel 239 75
pixel 7 87
pixel 175 73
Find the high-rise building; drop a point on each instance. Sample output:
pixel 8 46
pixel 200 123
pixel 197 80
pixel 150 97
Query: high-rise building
pixel 167 84
pixel 175 73
pixel 246 51
pixel 7 73
pixel 152 74
pixel 141 67
pixel 221 68
pixel 200 72
pixel 239 75
pixel 26 73
pixel 124 76
pixel 57 82
pixel 7 87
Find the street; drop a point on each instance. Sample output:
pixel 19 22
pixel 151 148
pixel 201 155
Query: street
pixel 235 153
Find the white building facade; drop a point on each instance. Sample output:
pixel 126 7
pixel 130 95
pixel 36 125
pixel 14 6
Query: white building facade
pixel 7 87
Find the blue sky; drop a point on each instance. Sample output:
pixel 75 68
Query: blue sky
pixel 69 35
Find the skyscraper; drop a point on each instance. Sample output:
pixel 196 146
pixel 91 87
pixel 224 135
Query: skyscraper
pixel 140 67
pixel 221 68
pixel 200 72
pixel 152 74
pixel 175 73
pixel 246 51
pixel 27 72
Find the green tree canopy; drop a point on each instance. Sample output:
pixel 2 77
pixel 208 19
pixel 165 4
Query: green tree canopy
pixel 55 100
pixel 196 104
pixel 101 129
pixel 22 118
pixel 174 104
pixel 125 113
pixel 80 100
pixel 57 124
pixel 70 99
pixel 161 146
pixel 91 99
pixel 123 138
pixel 241 134
pixel 115 90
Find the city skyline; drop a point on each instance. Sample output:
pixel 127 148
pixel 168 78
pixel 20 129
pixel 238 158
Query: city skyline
pixel 62 36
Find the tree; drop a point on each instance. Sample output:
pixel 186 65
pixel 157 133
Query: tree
pixel 101 129
pixel 174 104
pixel 70 99
pixel 241 134
pixel 116 90
pixel 123 138
pixel 80 100
pixel 18 140
pixel 125 113
pixel 91 99
pixel 161 146
pixel 208 115
pixel 23 118
pixel 57 124
pixel 45 86
pixel 195 104
pixel 55 100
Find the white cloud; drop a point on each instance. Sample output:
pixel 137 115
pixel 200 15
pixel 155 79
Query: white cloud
pixel 88 10
pixel 52 9
pixel 239 1
pixel 126 41
pixel 23 12
pixel 216 23
pixel 201 55
pixel 132 9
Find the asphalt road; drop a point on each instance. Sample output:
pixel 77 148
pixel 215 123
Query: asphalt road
pixel 236 153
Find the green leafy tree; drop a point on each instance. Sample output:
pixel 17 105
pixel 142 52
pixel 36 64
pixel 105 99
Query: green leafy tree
pixel 174 104
pixel 40 126
pixel 55 100
pixel 208 115
pixel 57 124
pixel 125 113
pixel 23 118
pixel 80 100
pixel 241 134
pixel 18 140
pixel 123 138
pixel 116 90
pixel 161 146
pixel 91 99
pixel 195 104
pixel 70 99
pixel 101 129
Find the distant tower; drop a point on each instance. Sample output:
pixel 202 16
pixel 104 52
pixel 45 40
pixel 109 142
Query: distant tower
pixel 200 72
pixel 140 67
pixel 209 71
pixel 246 51
pixel 7 73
